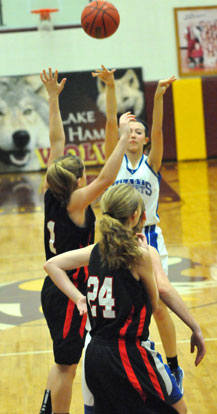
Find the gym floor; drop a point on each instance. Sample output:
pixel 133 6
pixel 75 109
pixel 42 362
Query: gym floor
pixel 188 213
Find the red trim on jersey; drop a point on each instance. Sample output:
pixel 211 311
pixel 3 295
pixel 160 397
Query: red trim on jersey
pixel 141 321
pixel 68 319
pixel 86 273
pixel 151 372
pixel 89 239
pixel 75 275
pixel 129 369
pixel 82 326
pixel 125 360
pixel 123 330
pixel 70 309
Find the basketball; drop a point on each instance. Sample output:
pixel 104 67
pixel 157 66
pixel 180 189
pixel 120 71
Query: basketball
pixel 100 19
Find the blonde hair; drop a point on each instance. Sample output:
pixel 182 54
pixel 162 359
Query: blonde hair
pixel 119 245
pixel 62 176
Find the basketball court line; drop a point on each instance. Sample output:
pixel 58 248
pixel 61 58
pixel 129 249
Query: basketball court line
pixel 192 243
pixel 182 341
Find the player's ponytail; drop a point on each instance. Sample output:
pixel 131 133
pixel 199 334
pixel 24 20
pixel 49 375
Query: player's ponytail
pixel 118 244
pixel 62 177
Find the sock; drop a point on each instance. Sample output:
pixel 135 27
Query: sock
pixel 46 403
pixel 172 363
pixel 88 409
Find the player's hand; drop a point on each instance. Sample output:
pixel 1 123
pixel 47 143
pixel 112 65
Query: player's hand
pixel 142 241
pixel 107 76
pixel 51 83
pixel 124 123
pixel 198 341
pixel 126 117
pixel 82 306
pixel 163 85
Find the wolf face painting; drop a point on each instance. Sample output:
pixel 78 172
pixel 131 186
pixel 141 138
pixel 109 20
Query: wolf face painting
pixel 24 119
pixel 129 96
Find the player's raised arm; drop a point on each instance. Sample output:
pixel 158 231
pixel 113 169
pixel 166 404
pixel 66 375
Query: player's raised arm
pixel 82 197
pixel 56 131
pixel 111 130
pixel 156 152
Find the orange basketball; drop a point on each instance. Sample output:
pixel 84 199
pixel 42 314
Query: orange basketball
pixel 100 19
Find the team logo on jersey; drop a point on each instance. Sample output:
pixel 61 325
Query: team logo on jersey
pixel 141 185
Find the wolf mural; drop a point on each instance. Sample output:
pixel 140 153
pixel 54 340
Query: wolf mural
pixel 129 96
pixel 24 117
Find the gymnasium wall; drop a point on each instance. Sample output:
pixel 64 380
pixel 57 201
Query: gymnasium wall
pixel 190 118
pixel 146 38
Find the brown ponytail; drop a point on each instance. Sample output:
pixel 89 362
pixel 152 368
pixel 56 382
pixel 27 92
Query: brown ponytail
pixel 119 245
pixel 62 176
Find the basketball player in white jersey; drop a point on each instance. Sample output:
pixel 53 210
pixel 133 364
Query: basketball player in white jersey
pixel 142 172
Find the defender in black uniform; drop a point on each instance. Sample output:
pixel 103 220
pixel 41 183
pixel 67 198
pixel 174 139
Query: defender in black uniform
pixel 122 293
pixel 123 371
pixel 69 224
pixel 120 372
pixel 64 321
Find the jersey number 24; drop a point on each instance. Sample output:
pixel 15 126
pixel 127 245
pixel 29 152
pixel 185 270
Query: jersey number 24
pixel 103 295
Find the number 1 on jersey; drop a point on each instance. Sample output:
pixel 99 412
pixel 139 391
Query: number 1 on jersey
pixel 50 226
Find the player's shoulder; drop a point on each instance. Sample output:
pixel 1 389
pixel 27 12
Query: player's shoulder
pixel 48 195
pixel 48 198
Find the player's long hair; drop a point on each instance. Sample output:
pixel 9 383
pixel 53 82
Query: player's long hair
pixel 146 147
pixel 119 245
pixel 62 176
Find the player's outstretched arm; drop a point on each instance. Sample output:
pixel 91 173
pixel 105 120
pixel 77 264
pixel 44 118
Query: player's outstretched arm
pixel 56 131
pixel 173 300
pixel 111 130
pixel 156 152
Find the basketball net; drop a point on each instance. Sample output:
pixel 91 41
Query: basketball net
pixel 45 23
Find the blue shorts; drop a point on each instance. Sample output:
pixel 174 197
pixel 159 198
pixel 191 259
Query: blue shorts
pixel 173 391
pixel 155 238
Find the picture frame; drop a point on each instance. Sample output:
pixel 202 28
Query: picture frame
pixel 196 40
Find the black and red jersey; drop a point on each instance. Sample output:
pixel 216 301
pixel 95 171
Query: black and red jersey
pixel 118 304
pixel 62 235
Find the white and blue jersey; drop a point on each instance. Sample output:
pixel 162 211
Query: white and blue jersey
pixel 147 182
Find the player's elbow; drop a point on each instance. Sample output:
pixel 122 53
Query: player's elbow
pixel 162 291
pixel 154 306
pixel 163 287
pixel 47 265
pixel 155 303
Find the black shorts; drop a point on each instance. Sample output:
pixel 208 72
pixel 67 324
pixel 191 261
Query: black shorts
pixel 67 327
pixel 124 380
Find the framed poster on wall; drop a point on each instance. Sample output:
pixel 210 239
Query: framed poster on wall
pixel 196 39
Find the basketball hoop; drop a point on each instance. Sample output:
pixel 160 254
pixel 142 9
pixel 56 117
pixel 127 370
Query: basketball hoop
pixel 45 22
